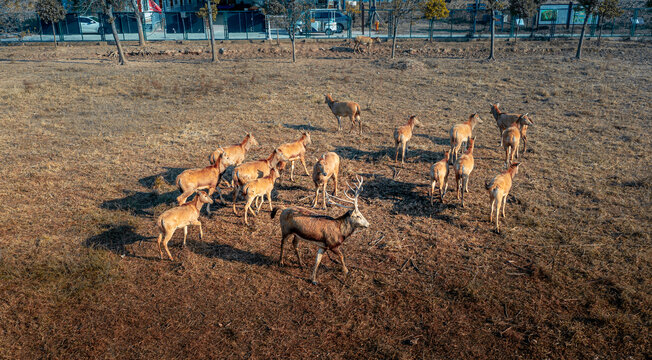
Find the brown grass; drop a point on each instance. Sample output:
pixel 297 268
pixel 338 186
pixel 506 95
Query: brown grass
pixel 90 151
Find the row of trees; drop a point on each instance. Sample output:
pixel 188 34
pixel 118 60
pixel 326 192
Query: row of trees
pixel 289 12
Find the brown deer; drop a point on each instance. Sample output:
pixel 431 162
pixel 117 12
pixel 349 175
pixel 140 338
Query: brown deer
pixel 364 40
pixel 439 177
pixel 180 217
pixel 252 170
pixel 199 179
pixel 498 189
pixel 258 189
pixel 403 134
pixel 463 167
pixel 235 153
pixel 326 232
pixel 505 120
pixel 461 133
pixel 296 151
pixel 348 108
pixel 328 166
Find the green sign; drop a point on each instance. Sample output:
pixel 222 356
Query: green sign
pixel 549 15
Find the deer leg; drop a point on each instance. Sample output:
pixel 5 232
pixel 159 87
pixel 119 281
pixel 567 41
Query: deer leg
pixel 466 183
pixel 352 123
pixel 185 235
pixel 403 155
pixel 283 241
pixel 160 237
pixel 457 185
pixel 292 171
pixel 324 194
pixel 168 236
pixel 339 122
pixel 314 203
pixel 504 204
pixel 445 188
pixel 524 144
pixel 295 245
pixel 464 180
pixel 302 158
pixel 269 198
pixel 181 199
pixel 201 232
pixel 498 203
pixel 320 253
pixel 493 205
pixel 248 209
pixel 338 252
pixel 335 184
pixel 235 197
pixel 432 192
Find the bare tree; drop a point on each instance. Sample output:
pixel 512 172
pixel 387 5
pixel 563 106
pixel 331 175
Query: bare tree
pixel 209 11
pixel 401 9
pixel 590 7
pixel 493 6
pixel 523 9
pixel 108 10
pixel 290 13
pixel 51 11
pixel 139 22
pixel 609 9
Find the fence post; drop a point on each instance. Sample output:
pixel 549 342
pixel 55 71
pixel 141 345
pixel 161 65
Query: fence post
pixel 475 16
pixel 511 27
pixel 634 20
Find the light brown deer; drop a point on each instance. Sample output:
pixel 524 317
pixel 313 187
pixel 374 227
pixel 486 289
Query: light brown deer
pixel 348 108
pixel 258 189
pixel 461 133
pixel 328 166
pixel 364 40
pixel 326 232
pixel 235 153
pixel 463 167
pixel 403 134
pixel 296 151
pixel 199 179
pixel 180 217
pixel 439 177
pixel 505 120
pixel 252 170
pixel 498 189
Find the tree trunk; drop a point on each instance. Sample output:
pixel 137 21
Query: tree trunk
pixel 493 34
pixel 294 55
pixel 121 56
pixel 600 30
pixel 430 31
pixel 210 30
pixel 54 34
pixel 578 55
pixel 139 23
pixel 395 22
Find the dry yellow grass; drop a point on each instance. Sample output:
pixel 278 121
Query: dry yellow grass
pixel 85 144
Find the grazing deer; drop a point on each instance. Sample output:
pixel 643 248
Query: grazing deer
pixel 296 151
pixel 505 120
pixel 403 134
pixel 439 177
pixel 252 170
pixel 180 217
pixel 364 40
pixel 463 167
pixel 235 153
pixel 498 189
pixel 461 133
pixel 326 232
pixel 348 108
pixel 258 189
pixel 328 166
pixel 199 179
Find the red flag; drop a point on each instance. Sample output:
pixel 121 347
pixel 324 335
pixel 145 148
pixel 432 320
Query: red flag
pixel 153 6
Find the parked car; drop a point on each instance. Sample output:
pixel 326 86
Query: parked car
pixel 342 20
pixel 88 25
pixel 319 23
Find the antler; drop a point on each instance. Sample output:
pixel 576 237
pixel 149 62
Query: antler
pixel 349 199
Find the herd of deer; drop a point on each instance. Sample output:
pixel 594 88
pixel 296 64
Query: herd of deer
pixel 256 179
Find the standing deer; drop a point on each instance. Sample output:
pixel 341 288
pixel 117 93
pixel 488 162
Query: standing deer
pixel 463 167
pixel 326 232
pixel 439 177
pixel 258 189
pixel 235 153
pixel 498 189
pixel 505 120
pixel 403 134
pixel 296 151
pixel 180 217
pixel 198 179
pixel 348 108
pixel 364 40
pixel 325 168
pixel 461 133
pixel 252 170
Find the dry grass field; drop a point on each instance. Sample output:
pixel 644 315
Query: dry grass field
pixel 83 142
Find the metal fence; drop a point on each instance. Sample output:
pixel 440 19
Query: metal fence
pixel 244 25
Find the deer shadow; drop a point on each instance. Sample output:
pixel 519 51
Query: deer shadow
pixel 406 197
pixel 352 153
pixel 139 202
pixel 115 239
pixel 437 141
pixel 228 253
pixel 304 127
pixel 169 175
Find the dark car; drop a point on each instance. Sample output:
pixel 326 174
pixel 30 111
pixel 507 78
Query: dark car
pixel 341 19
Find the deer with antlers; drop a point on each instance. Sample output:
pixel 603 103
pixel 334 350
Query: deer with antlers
pixel 326 232
pixel 235 153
